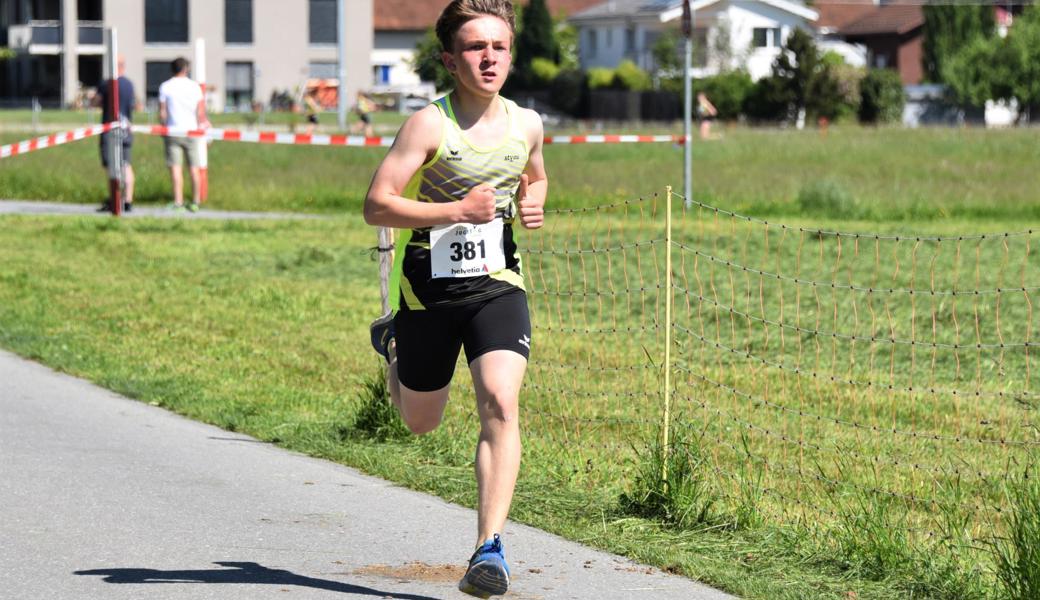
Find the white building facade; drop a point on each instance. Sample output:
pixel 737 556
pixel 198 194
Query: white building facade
pixel 728 34
pixel 253 47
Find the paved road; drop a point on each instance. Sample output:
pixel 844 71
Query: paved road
pixel 109 498
pixel 38 207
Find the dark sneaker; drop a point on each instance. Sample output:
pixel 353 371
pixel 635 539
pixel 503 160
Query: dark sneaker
pixel 106 207
pixel 488 573
pixel 382 330
pixel 128 206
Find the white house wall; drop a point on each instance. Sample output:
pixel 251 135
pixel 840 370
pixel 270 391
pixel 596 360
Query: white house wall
pixel 744 17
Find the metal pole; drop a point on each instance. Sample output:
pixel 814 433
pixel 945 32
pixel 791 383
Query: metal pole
pixel 386 263
pixel 341 42
pixel 665 438
pixel 687 104
pixel 115 135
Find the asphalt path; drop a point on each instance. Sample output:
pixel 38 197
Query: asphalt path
pixel 38 207
pixel 109 498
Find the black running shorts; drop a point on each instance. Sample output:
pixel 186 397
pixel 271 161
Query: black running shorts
pixel 428 341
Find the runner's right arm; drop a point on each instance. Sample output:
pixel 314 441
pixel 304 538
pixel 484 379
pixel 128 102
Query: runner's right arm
pixel 416 143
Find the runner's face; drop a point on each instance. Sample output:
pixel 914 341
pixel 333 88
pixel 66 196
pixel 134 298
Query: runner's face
pixel 480 60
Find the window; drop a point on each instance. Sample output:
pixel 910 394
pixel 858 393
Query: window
pixel 166 21
pixel 766 37
pixel 155 72
pixel 630 41
pixel 610 38
pixel 239 83
pixel 323 70
pixel 381 75
pixel 323 22
pixel 593 37
pixel 238 21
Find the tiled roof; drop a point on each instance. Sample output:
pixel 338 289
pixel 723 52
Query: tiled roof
pixel 891 18
pixel 837 14
pixel 409 15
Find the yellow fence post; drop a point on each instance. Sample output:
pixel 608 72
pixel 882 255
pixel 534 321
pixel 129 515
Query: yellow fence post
pixel 667 334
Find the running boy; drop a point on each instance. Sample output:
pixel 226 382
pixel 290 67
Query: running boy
pixel 449 183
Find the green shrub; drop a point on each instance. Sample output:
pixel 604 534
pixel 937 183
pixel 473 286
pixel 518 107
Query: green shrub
pixel 1018 553
pixel 569 92
pixel 600 77
pixel 686 498
pixel 881 97
pixel 544 71
pixel 628 76
pixel 727 91
pixel 827 199
pixel 377 418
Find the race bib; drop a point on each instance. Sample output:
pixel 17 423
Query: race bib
pixel 466 250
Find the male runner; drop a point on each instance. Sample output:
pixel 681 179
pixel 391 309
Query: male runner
pixel 449 182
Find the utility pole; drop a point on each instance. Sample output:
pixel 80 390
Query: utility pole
pixel 341 44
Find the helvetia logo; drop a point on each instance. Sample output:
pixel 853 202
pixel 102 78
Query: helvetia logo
pixel 512 157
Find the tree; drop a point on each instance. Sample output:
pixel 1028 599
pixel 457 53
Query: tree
pixel 536 39
pixel 810 87
pixel 882 97
pixel 1021 55
pixel 969 72
pixel 947 28
pixel 428 64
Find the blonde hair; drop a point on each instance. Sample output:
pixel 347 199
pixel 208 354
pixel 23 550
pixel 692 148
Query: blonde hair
pixel 456 14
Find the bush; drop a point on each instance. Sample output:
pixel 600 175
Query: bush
pixel 543 72
pixel 569 92
pixel 1018 551
pixel 881 97
pixel 727 91
pixel 827 199
pixel 600 77
pixel 769 100
pixel 628 76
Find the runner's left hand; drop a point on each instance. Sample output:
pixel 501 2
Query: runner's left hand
pixel 531 210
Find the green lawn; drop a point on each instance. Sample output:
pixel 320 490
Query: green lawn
pixel 841 428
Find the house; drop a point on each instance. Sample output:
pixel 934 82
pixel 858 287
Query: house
pixel 731 34
pixel 400 24
pixel 893 35
pixel 253 47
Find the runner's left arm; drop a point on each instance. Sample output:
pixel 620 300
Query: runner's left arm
pixel 534 183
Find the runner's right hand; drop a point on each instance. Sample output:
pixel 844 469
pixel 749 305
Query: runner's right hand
pixel 479 205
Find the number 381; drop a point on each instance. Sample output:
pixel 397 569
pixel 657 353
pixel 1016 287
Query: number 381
pixel 466 250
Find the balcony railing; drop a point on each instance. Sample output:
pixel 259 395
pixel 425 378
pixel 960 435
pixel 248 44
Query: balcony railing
pixel 49 33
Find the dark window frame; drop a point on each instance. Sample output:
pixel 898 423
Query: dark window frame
pixel 323 24
pixel 238 21
pixel 159 24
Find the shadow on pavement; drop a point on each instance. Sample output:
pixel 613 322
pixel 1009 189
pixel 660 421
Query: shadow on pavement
pixel 240 572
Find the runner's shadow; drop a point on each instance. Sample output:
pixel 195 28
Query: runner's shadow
pixel 240 572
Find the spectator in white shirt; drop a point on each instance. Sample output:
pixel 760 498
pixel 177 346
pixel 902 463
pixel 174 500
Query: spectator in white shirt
pixel 181 107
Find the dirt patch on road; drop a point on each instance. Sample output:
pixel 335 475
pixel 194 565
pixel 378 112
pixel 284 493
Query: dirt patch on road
pixel 416 571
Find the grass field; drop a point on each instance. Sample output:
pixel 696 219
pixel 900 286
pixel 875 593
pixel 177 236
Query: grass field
pixel 820 450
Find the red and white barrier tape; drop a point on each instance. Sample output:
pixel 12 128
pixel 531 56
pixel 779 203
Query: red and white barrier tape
pixel 300 139
pixel 57 139
pixel 272 137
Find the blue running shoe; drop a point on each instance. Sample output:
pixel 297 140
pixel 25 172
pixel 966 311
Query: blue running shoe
pixel 488 573
pixel 382 330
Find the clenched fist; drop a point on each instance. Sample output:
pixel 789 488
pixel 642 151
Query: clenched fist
pixel 532 214
pixel 479 205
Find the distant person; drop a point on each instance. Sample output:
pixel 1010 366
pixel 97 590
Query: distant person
pixel 311 108
pixel 127 103
pixel 364 109
pixel 181 106
pixel 706 113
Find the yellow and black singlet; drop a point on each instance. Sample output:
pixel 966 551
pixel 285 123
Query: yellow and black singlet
pixel 453 265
